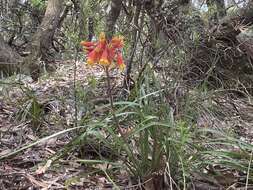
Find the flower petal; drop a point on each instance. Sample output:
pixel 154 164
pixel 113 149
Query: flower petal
pixel 88 49
pixel 93 57
pixel 100 47
pixel 111 53
pixel 87 44
pixel 102 37
pixel 117 42
pixel 122 67
pixel 120 61
pixel 104 60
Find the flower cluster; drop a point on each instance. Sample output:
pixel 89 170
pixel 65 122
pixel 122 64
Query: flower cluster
pixel 105 53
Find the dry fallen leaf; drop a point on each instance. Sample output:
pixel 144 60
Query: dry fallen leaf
pixel 43 169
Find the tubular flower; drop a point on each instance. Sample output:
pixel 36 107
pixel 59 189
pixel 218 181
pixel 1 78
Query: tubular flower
pixel 120 61
pixel 117 42
pixel 102 43
pixel 111 53
pixel 88 49
pixel 104 60
pixel 102 37
pixel 87 44
pixel 93 57
pixel 105 53
pixel 100 47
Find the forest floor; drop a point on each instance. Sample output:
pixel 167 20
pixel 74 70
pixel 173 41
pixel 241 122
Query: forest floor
pixel 55 95
pixel 52 102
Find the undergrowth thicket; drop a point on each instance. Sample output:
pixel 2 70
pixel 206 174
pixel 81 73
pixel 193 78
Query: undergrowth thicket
pixel 158 148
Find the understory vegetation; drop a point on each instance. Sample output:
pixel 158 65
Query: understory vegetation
pixel 126 94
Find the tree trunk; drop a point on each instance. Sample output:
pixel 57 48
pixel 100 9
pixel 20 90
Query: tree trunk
pixel 90 28
pixel 166 14
pixel 216 9
pixel 135 35
pixel 86 24
pixel 8 58
pixel 42 39
pixel 114 12
pixel 82 18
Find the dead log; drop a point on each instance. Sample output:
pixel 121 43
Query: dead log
pixel 222 58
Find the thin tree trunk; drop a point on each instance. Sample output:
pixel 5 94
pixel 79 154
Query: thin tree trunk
pixel 82 19
pixel 86 24
pixel 133 46
pixel 221 9
pixel 42 39
pixel 134 38
pixel 216 9
pixel 9 59
pixel 114 12
pixel 90 28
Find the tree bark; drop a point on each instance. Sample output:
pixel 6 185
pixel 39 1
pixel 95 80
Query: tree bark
pixel 8 58
pixel 42 39
pixel 82 19
pixel 166 16
pixel 114 12
pixel 90 28
pixel 135 35
pixel 86 23
pixel 216 9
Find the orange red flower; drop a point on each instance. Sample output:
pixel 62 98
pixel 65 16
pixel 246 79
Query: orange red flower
pixel 117 42
pixel 92 58
pixel 87 44
pixel 120 61
pixel 104 60
pixel 105 53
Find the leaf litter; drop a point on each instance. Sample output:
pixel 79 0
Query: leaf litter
pixel 53 98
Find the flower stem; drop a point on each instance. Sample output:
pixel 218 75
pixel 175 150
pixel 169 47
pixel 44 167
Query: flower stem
pixel 123 137
pixel 109 91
